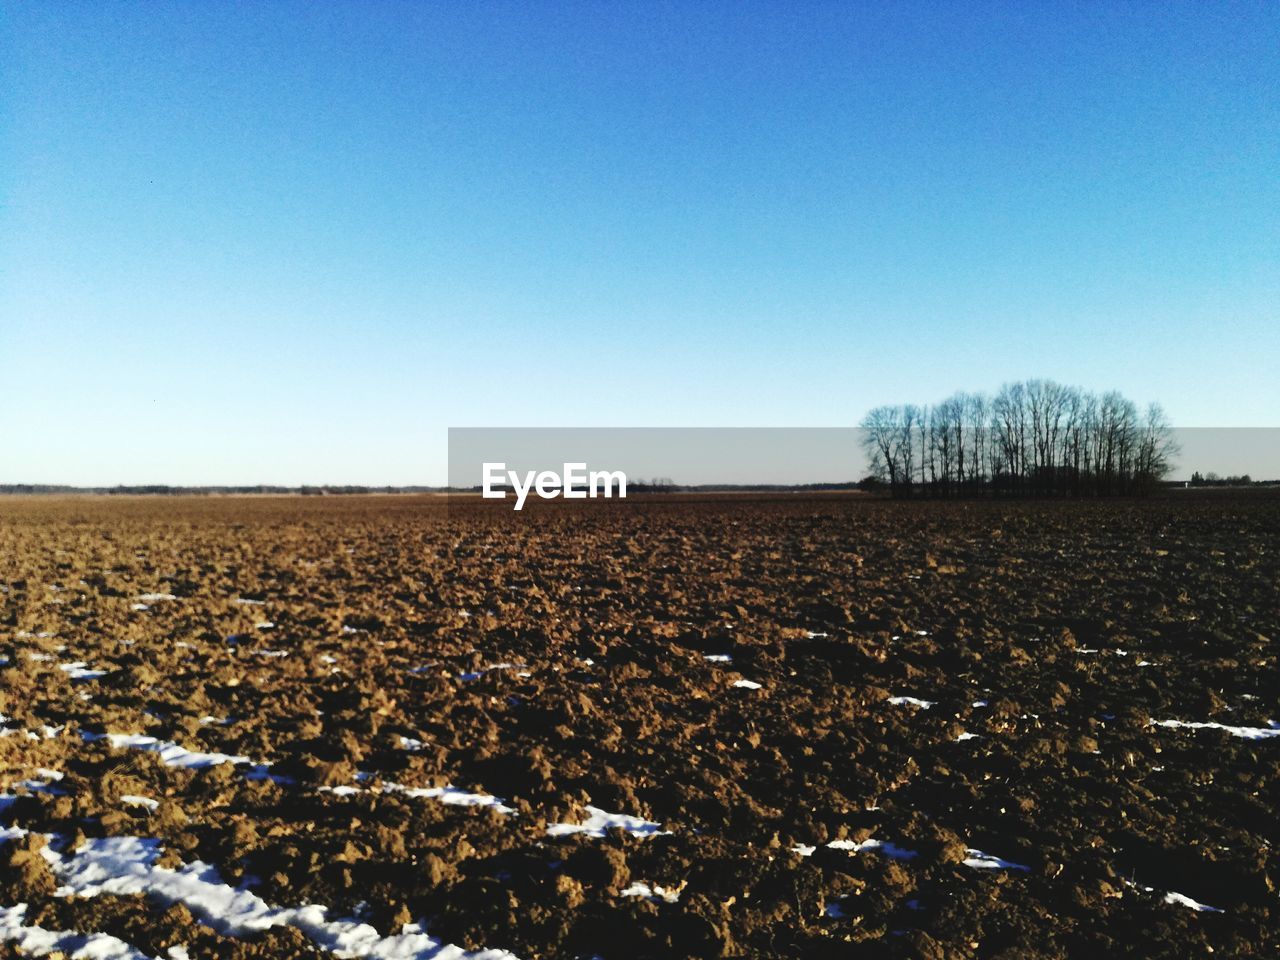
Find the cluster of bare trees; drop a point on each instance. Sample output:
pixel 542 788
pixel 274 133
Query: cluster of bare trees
pixel 1034 438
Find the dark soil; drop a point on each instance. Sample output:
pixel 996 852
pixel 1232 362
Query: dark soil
pixel 1075 625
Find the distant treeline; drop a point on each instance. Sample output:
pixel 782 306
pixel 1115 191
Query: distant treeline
pixel 1211 479
pixel 667 485
pixel 1033 438
pixel 167 490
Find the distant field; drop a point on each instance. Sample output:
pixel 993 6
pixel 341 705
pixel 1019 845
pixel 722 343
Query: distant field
pixel 774 725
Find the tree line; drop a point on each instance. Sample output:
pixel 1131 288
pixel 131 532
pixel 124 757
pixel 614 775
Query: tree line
pixel 1033 438
pixel 163 489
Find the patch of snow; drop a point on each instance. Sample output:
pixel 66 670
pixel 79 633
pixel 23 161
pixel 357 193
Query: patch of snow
pixel 1248 733
pixel 126 865
pixel 450 795
pixel 245 601
pixel 747 684
pixel 966 736
pixel 153 597
pixel 43 785
pixel 912 702
pixel 985 861
pixel 1185 901
pixel 80 671
pixel 171 755
pixel 598 821
pixel 340 791
pixel 39 942
pixel 134 800
pixel 656 892
pixel 717 657
pixel 886 847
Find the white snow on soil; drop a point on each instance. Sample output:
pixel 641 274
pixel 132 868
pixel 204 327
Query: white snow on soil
pixel 747 684
pixel 888 848
pixel 985 861
pixel 717 657
pixel 153 597
pixel 39 942
pixel 1178 899
pixel 976 858
pixel 1272 729
pixel 453 796
pixel 171 754
pixel 656 892
pixel 912 702
pixel 598 821
pixel 1185 901
pixel 80 671
pixel 126 865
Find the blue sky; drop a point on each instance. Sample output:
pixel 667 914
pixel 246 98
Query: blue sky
pixel 295 242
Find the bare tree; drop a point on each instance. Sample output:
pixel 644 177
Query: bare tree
pixel 882 439
pixel 977 415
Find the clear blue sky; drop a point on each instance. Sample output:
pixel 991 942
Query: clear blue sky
pixel 294 242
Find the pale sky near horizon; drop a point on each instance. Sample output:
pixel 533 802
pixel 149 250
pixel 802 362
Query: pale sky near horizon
pixel 292 243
